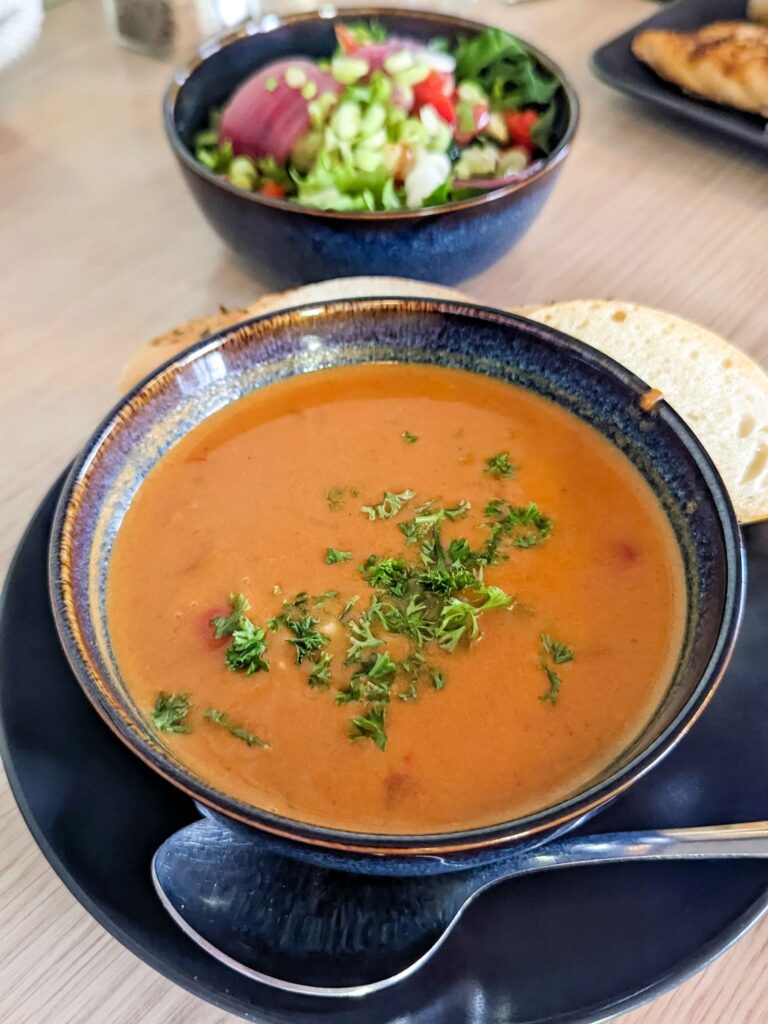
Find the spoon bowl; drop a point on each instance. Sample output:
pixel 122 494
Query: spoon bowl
pixel 327 932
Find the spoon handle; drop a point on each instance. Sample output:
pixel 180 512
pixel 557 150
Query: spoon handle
pixel 749 839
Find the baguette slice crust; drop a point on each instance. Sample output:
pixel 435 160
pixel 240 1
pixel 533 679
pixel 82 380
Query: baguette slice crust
pixel 718 390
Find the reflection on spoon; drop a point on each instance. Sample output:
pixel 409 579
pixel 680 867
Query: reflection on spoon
pixel 326 932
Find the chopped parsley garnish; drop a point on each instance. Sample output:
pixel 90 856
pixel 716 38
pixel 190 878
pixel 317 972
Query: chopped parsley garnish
pixel 447 581
pixel 409 621
pixel 225 625
pixel 521 526
pixel 333 555
pixel 382 666
pixel 169 712
pixel 370 726
pixel 390 505
pixel 248 644
pixel 437 677
pixel 348 607
pixel 458 511
pixel 459 620
pixel 432 599
pixel 245 653
pixel 552 694
pixel 500 466
pixel 361 636
pixel 409 438
pixel 335 498
pixel 222 719
pixel 557 653
pixel 389 574
pixel 320 676
pixel 306 639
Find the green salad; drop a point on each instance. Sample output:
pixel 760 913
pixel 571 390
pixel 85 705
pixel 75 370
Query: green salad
pixel 386 123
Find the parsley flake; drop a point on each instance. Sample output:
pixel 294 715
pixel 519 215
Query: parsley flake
pixel 390 505
pixel 245 652
pixel 320 676
pixel 557 653
pixel 169 712
pixel 306 639
pixel 370 726
pixel 333 555
pixel 500 466
pixel 222 719
pixel 225 625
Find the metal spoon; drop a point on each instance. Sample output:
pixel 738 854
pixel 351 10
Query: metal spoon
pixel 325 932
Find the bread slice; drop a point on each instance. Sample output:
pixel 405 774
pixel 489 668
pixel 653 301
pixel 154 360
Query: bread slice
pixel 167 345
pixel 720 392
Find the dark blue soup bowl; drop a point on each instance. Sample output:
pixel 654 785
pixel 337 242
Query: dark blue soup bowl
pixel 167 405
pixel 287 244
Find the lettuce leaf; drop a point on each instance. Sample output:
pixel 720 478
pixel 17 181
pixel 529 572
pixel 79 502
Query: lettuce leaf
pixel 502 65
pixel 541 133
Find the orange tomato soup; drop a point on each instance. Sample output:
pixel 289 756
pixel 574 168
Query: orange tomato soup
pixel 550 646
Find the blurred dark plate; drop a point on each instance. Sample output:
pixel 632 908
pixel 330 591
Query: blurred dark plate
pixel 616 65
pixel 572 946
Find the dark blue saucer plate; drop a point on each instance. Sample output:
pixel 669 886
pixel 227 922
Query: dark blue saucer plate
pixel 576 946
pixel 616 65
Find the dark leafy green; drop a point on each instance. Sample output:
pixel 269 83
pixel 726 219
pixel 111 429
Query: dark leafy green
pixel 510 75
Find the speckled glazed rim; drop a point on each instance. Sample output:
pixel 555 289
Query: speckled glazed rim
pixel 251 336
pixel 327 12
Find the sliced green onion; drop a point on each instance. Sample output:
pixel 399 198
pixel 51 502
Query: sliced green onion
pixel 398 62
pixel 381 87
pixel 367 159
pixel 442 140
pixel 320 108
pixel 389 198
pixel 374 118
pixel 414 75
pixel 349 70
pixel 413 133
pixel 209 137
pixel 242 172
pixel 512 160
pixel 346 120
pixel 295 77
pixel 207 157
pixel 465 116
pixel 377 141
pixel 471 92
pixel 271 84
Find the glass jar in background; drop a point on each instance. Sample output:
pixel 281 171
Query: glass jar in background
pixel 162 28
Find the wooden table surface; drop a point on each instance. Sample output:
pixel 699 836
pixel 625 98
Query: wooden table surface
pixel 103 248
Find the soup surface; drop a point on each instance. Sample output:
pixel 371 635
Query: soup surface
pixel 438 600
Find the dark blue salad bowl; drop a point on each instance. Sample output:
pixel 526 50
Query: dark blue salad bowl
pixel 287 244
pixel 166 406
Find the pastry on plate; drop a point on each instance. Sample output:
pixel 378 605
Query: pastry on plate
pixel 726 62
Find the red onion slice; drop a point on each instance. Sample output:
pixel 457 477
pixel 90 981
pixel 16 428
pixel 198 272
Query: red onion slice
pixel 260 121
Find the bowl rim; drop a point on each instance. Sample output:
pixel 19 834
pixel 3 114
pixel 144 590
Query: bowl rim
pixel 328 12
pixel 556 818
